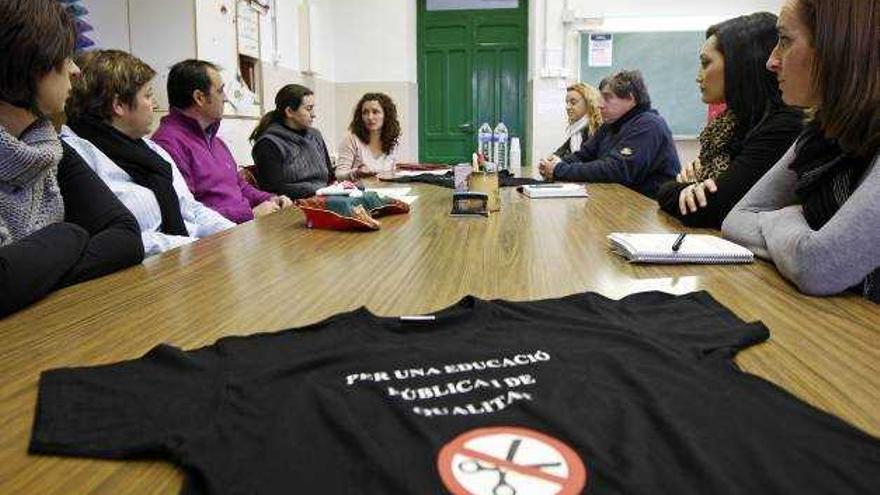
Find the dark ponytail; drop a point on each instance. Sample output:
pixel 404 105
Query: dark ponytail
pixel 263 124
pixel 290 96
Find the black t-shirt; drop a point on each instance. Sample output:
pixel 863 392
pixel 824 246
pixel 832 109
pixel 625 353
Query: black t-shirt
pixel 570 395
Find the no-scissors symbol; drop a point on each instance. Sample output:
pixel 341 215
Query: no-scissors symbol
pixel 509 460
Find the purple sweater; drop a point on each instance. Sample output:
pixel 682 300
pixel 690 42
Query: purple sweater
pixel 208 167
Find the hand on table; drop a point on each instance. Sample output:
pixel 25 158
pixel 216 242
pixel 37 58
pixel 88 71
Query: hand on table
pixel 693 197
pixel 547 165
pixel 363 170
pixel 265 208
pixel 282 201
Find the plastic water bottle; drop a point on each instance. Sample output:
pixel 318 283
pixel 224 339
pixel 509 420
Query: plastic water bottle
pixel 501 158
pixel 484 141
pixel 515 157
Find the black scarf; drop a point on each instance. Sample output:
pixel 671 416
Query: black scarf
pixel 144 165
pixel 826 178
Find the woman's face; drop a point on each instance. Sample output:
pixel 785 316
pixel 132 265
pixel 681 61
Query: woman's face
pixel 793 58
pixel 710 77
pixel 136 120
pixel 575 106
pixel 302 117
pixel 372 115
pixel 54 88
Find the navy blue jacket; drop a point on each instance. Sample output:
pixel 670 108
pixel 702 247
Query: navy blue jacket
pixel 636 150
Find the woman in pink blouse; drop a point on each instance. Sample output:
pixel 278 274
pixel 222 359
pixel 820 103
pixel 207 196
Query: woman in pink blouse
pixel 371 145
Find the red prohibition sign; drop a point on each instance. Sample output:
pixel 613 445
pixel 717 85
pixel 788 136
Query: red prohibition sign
pixel 509 460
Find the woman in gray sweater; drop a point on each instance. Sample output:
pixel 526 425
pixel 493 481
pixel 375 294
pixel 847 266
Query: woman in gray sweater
pixel 816 213
pixel 289 153
pixel 59 224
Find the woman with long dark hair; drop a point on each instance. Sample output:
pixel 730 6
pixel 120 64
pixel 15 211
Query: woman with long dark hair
pixel 738 146
pixel 290 154
pixel 815 214
pixel 371 145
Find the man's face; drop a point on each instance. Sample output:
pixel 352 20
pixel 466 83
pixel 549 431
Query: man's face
pixel 614 107
pixel 212 104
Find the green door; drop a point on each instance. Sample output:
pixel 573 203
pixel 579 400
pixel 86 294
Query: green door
pixel 472 69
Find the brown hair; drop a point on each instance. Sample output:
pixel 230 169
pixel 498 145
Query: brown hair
pixel 37 37
pixel 628 83
pixel 846 74
pixel 390 133
pixel 185 78
pixel 591 96
pixel 106 74
pixel 290 96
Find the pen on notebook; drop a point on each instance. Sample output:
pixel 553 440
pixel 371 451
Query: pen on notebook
pixel 678 241
pixel 547 186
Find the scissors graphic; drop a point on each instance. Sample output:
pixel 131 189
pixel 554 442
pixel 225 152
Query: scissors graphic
pixel 502 487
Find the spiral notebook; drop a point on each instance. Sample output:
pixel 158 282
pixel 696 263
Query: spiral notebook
pixel 694 248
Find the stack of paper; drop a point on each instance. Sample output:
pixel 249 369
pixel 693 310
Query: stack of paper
pixel 554 190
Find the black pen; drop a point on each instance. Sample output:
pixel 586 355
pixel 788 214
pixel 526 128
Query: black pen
pixel 678 241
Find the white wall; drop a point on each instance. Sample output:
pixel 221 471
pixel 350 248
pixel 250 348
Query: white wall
pixel 375 40
pixel 110 20
pixel 665 8
pixel 375 51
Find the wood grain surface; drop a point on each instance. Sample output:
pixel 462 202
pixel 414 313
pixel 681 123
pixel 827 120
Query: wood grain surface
pixel 273 273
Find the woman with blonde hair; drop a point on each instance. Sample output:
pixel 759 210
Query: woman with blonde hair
pixel 584 119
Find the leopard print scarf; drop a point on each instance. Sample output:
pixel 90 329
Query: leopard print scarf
pixel 715 141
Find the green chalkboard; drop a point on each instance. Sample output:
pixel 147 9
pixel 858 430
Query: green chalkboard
pixel 669 63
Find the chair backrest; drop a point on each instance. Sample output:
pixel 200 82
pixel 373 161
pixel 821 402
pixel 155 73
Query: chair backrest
pixel 248 173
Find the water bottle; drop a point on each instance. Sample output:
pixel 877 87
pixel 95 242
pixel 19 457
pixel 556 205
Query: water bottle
pixel 501 158
pixel 515 157
pixel 484 141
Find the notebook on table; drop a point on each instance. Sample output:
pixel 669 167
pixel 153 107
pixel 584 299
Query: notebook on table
pixel 554 190
pixel 694 248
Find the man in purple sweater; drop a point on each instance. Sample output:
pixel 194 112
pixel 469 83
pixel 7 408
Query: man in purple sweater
pixel 189 134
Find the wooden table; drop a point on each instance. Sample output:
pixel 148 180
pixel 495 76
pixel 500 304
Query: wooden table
pixel 274 273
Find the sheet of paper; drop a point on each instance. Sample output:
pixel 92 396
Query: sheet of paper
pixel 601 50
pixel 394 192
pixel 411 173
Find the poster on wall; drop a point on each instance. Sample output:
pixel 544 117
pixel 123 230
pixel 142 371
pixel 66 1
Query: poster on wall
pixel 601 49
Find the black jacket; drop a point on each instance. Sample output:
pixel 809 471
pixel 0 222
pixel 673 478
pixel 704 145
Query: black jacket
pixel 98 236
pixel 762 147
pixel 636 150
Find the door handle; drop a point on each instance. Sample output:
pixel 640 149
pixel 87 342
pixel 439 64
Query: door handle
pixel 466 127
